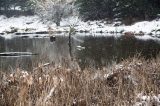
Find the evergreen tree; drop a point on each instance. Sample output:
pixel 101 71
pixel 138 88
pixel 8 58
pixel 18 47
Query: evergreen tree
pixel 131 11
pixel 1 4
pixel 128 11
pixel 5 4
pixel 10 4
pixel 24 4
pixel 96 9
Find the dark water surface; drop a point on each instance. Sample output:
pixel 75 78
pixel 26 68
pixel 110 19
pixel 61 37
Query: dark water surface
pixel 88 51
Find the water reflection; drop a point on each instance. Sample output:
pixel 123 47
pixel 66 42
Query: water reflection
pixel 87 50
pixel 101 51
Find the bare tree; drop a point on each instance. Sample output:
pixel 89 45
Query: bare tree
pixel 54 10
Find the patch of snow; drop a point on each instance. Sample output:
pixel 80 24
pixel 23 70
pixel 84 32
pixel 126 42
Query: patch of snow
pixel 24 74
pixel 50 94
pixel 80 48
pixel 145 100
pixel 29 24
pixel 119 67
pixel 9 36
pixel 144 26
pixel 146 37
pixel 21 23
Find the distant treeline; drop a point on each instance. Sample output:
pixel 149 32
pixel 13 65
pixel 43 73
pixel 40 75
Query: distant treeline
pixel 16 7
pixel 127 11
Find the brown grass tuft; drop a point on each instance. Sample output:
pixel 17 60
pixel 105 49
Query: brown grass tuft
pixel 120 85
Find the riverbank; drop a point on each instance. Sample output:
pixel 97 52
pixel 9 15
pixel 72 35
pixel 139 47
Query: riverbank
pixel 33 25
pixel 133 82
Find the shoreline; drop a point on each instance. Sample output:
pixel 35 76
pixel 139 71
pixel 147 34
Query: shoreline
pixel 26 25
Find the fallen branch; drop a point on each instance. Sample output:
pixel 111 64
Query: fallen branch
pixel 41 66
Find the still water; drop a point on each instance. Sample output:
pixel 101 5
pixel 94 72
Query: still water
pixel 88 51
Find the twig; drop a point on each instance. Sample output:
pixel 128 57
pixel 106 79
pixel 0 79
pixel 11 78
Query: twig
pixel 43 65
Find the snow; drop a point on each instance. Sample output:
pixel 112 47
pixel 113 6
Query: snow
pixel 22 23
pixel 146 100
pixel 145 26
pixel 146 37
pixel 80 48
pixel 32 24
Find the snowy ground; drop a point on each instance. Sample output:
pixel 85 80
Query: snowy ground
pixel 32 24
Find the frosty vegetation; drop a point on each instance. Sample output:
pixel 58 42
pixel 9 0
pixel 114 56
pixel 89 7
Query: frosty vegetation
pixel 54 10
pixel 133 82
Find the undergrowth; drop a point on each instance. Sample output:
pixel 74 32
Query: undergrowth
pixel 124 84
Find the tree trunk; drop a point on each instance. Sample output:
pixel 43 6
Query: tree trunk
pixel 57 18
pixel 58 23
pixel 70 47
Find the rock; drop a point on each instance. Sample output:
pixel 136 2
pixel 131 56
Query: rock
pixel 52 38
pixel 17 54
pixel 1 33
pixel 42 32
pixel 25 36
pixel 13 30
pixel 24 33
pixel 140 33
pixel 129 34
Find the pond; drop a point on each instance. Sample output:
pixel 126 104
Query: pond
pixel 88 51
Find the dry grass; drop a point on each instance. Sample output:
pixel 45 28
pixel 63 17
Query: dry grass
pixel 119 85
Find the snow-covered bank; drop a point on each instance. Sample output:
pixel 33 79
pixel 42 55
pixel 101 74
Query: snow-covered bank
pixel 32 24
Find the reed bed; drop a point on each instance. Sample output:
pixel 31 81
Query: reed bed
pixel 133 82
